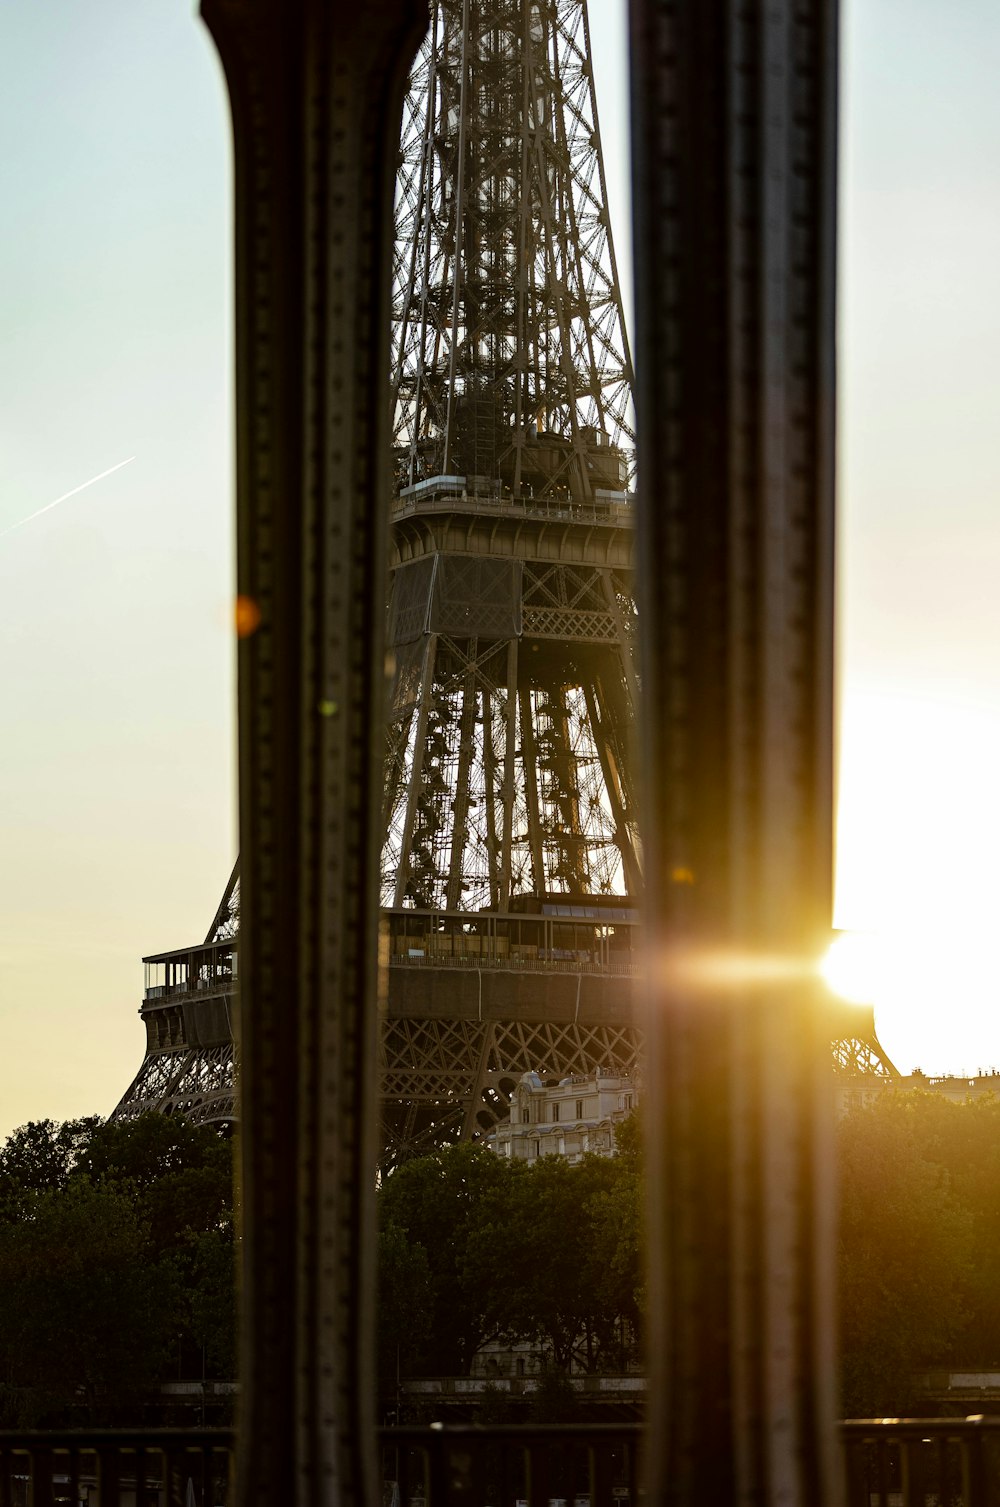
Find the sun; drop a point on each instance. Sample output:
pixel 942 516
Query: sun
pixel 855 967
pixel 936 994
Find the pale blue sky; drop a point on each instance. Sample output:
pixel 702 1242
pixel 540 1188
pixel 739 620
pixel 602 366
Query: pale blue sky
pixel 116 789
pixel 116 801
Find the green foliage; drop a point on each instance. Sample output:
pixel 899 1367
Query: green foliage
pixel 495 1406
pixel 182 1174
pixel 116 1255
pixel 554 1400
pixel 209 1273
pixel 547 1253
pixel 443 1203
pixel 479 1248
pixel 550 1277
pixel 83 1307
pixel 628 1143
pixel 150 1148
pixel 405 1300
pixel 41 1155
pixel 919 1194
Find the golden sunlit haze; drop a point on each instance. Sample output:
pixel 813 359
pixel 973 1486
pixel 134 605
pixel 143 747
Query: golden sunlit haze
pixel 918 875
pixel 853 967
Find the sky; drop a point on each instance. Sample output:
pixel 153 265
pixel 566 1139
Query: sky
pixel 117 793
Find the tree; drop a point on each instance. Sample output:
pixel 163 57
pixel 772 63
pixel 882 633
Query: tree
pixel 964 1140
pixel 181 1173
pixel 487 1249
pixel 562 1271
pixel 405 1306
pixel 181 1178
pixel 554 1399
pixel 41 1155
pixel 209 1277
pixel 616 1263
pixel 442 1202
pixel 116 1247
pixel 85 1310
pixel 906 1245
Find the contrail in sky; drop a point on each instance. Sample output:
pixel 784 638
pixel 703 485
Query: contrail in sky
pixel 49 505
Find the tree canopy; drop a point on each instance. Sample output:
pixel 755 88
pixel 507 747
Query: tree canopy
pixel 116 1264
pixel 918 1252
pixel 551 1253
pixel 117 1258
pixel 502 1251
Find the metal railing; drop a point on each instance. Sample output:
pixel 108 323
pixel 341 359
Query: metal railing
pixel 917 1462
pixel 222 983
pixel 470 1465
pixel 607 506
pixel 115 1467
pixel 512 962
pixel 890 1462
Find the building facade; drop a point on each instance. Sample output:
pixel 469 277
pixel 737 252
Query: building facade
pixel 571 1118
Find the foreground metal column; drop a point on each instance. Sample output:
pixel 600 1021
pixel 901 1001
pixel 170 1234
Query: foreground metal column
pixel 316 89
pixel 734 120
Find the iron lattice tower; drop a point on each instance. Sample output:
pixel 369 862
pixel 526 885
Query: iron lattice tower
pixel 511 851
pixel 511 860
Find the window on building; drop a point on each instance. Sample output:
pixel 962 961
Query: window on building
pixel 538 1148
pixel 626 1101
pixel 555 1113
pixel 579 1109
pixel 520 1365
pixel 525 1116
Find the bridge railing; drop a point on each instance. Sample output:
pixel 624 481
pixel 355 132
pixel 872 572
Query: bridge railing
pixel 890 1462
pixel 117 1468
pixel 912 1462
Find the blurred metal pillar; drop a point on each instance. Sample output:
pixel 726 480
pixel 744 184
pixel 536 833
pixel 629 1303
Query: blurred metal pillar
pixel 316 90
pixel 734 142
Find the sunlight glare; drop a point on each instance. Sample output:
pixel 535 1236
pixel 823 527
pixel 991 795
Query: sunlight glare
pixel 854 967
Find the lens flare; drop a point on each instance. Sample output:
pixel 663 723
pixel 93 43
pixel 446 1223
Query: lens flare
pixel 247 616
pixel 854 967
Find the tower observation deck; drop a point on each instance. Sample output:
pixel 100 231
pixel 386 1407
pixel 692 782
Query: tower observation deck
pixel 511 866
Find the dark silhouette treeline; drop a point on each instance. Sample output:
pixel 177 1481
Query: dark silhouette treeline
pixel 117 1260
pixel 919 1246
pixel 116 1268
pixel 474 1248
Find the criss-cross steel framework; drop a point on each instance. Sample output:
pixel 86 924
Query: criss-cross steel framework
pixel 507 311
pixel 511 864
pixel 511 857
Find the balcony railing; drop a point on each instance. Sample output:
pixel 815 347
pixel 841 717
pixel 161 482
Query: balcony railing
pixel 889 1462
pixel 542 962
pixel 572 938
pixel 460 494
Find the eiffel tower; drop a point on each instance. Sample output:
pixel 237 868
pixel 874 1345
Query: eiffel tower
pixel 511 863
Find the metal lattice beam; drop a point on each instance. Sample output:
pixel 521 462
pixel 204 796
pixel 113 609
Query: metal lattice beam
pixel 507 311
